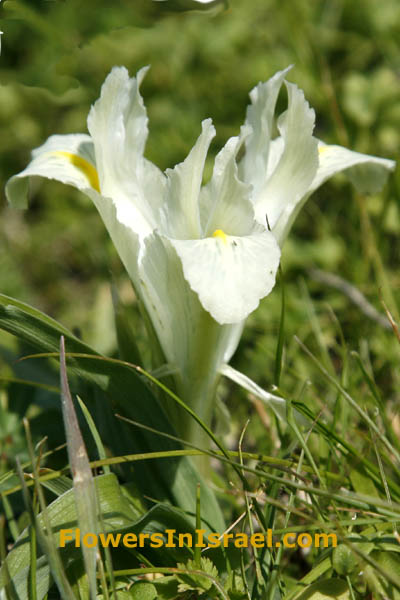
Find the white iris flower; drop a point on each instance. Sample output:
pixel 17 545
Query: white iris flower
pixel 200 257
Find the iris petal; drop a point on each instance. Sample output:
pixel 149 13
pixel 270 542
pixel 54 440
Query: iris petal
pixel 230 276
pixel 368 173
pixel 296 167
pixel 66 158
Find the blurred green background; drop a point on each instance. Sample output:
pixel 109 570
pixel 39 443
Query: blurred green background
pixel 57 255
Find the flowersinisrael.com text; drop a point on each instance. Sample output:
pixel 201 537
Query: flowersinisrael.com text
pixel 171 539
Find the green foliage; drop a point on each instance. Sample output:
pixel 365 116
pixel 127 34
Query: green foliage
pixel 116 514
pixel 143 591
pixel 198 577
pixel 118 383
pixel 324 590
pixel 344 561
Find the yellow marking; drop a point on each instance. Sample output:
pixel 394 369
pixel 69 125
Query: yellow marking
pixel 83 165
pixel 221 234
pixel 322 149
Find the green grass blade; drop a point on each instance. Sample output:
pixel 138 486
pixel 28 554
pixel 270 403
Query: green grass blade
pixel 281 334
pixel 93 430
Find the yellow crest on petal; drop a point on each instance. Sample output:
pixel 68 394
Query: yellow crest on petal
pixel 220 234
pixel 83 165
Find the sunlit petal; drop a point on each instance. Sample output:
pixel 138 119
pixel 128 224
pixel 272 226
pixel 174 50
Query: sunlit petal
pixel 118 125
pixel 180 215
pixel 368 173
pixel 224 202
pixel 66 158
pixel 190 338
pixel 260 119
pixel 297 164
pixel 230 274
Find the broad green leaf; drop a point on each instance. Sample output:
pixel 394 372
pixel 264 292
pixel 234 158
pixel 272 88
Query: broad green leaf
pixel 163 517
pixel 378 585
pixel 116 514
pixel 329 589
pixel 143 591
pixel 167 587
pixel 390 562
pixel 362 482
pixel 40 531
pixel 320 569
pixel 127 346
pixel 58 486
pixel 344 560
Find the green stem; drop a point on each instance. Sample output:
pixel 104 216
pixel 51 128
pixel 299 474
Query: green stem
pixel 197 383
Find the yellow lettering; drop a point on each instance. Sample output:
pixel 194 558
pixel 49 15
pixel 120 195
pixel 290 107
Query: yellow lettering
pixel 65 536
pixel 87 543
pixel 129 540
pixel 185 539
pixel 302 543
pixel 213 540
pixel 270 541
pixel 170 538
pixel 142 537
pixel 241 540
pixel 108 539
pixel 287 543
pixel 257 540
pixel 325 537
pixel 156 540
pixel 226 537
pixel 200 538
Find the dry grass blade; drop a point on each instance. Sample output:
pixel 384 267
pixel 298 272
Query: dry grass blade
pixel 350 290
pixel 393 323
pixel 84 487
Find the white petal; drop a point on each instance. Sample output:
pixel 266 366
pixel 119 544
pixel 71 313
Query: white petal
pixel 70 159
pixel 189 337
pixel 171 305
pixel 67 158
pixel 368 173
pixel 180 215
pixel 224 202
pixel 259 117
pixel 125 239
pixel 277 404
pixel 297 165
pixel 118 125
pixel 276 149
pixel 230 274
